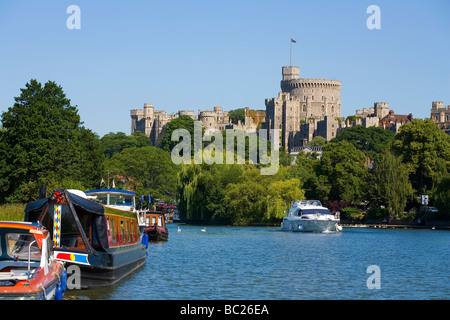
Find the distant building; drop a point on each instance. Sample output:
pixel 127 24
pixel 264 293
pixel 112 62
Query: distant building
pixel 394 121
pixel 153 122
pixel 441 115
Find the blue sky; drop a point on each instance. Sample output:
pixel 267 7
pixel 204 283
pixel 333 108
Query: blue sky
pixel 191 55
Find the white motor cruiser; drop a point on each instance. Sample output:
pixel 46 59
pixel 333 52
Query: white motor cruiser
pixel 310 216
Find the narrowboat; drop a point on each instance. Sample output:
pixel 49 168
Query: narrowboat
pixel 156 226
pixel 28 270
pixel 105 243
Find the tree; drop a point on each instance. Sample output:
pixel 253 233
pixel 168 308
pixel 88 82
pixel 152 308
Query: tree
pixel 370 141
pixel 317 141
pixel 182 122
pixel 237 115
pixel 391 187
pixel 423 145
pixel 305 170
pixel 113 143
pixel 343 167
pixel 146 170
pixel 42 140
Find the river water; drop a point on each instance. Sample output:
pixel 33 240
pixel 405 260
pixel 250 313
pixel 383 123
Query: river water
pixel 264 263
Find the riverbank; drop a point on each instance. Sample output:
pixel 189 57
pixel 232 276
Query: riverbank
pixel 398 224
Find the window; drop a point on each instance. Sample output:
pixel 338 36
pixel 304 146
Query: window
pixel 18 246
pixel 122 228
pixel 113 230
pixel 159 221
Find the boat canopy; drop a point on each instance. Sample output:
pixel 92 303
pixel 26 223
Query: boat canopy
pixel 83 204
pixel 79 216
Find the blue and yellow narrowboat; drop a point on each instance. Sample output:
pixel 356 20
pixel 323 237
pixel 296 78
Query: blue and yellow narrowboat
pixel 104 242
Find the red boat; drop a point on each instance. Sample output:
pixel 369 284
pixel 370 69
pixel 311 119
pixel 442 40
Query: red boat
pixel 28 269
pixel 156 226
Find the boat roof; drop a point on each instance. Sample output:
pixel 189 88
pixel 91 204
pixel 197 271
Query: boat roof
pixel 87 205
pixel 18 225
pixel 110 191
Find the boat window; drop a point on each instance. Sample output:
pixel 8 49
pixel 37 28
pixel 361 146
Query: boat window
pixel 113 231
pixel 132 230
pixel 153 221
pixel 314 211
pixel 122 228
pixel 159 221
pixel 18 246
pixel 127 230
pixel 121 200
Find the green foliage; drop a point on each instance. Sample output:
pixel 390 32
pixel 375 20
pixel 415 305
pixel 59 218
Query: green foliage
pixel 317 141
pixel 113 143
pixel 237 115
pixel 441 194
pixel 12 212
pixel 378 213
pixel 146 170
pixel 305 170
pixel 183 122
pixel 422 145
pixel 352 213
pixel 391 185
pixel 370 141
pixel 343 169
pixel 236 194
pixel 43 140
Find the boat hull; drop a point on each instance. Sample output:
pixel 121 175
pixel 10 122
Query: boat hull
pixel 310 225
pixel 157 233
pixel 107 269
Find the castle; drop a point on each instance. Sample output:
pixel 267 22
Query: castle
pixel 305 108
pixel 153 122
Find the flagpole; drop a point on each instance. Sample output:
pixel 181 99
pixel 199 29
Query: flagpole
pixel 290 57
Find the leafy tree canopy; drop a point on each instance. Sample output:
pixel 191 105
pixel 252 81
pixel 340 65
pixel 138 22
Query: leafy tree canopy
pixel 43 140
pixel 424 145
pixel 113 143
pixel 370 141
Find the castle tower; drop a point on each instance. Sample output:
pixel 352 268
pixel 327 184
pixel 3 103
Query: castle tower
pixel 381 109
pixel 302 100
pixel 290 73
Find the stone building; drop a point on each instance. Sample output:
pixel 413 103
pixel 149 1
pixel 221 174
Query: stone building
pixel 441 115
pixel 301 105
pixel 153 122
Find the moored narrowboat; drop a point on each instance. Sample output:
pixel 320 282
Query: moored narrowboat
pixel 28 270
pixel 156 228
pixel 105 243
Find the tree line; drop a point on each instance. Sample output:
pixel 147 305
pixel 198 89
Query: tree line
pixel 363 172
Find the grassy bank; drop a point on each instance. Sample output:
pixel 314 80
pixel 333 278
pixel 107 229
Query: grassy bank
pixel 12 212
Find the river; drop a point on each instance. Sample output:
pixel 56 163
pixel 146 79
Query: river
pixel 264 263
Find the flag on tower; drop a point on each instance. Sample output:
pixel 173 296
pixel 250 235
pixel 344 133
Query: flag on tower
pixel 292 40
